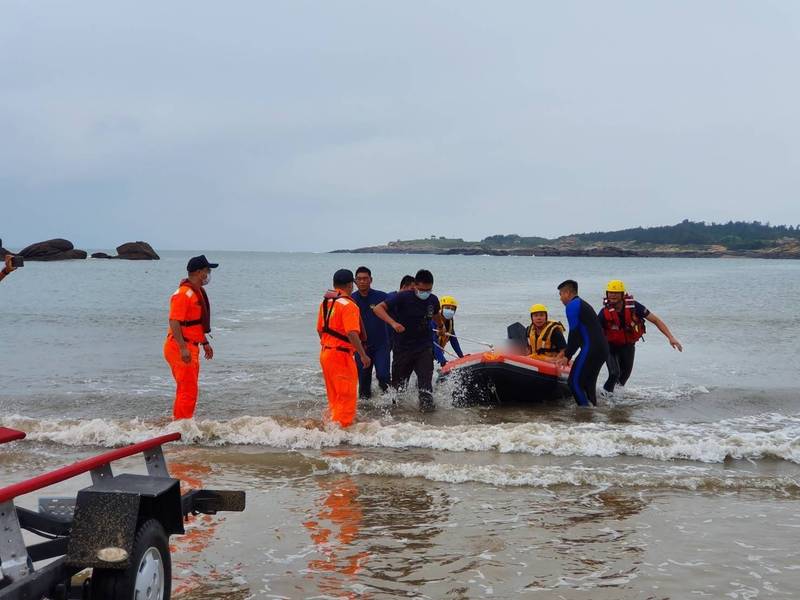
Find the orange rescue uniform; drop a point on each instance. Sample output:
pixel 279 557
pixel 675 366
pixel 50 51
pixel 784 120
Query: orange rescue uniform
pixel 185 306
pixel 336 356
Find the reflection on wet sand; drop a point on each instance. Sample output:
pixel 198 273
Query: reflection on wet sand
pixel 334 531
pixel 201 531
pixel 312 531
pixel 402 526
pixel 609 505
pixel 382 532
pixel 596 545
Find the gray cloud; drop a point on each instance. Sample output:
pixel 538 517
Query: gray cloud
pixel 315 125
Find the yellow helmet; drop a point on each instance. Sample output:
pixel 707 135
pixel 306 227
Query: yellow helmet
pixel 448 301
pixel 615 285
pixel 538 308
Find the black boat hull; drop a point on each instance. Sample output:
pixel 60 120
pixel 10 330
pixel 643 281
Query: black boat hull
pixel 516 381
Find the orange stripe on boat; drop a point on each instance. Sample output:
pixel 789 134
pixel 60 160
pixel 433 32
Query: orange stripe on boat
pixel 526 362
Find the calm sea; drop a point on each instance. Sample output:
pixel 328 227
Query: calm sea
pixel 685 486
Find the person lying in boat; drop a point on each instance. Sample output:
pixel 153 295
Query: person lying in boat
pixel 447 333
pixel 545 337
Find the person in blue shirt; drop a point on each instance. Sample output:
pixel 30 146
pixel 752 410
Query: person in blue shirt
pixel 377 344
pixel 585 333
pixel 409 314
pixel 406 284
pixel 441 337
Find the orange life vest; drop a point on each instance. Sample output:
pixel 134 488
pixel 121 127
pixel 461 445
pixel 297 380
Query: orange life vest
pixel 194 307
pixel 326 310
pixel 628 331
pixel 543 342
pixel 449 328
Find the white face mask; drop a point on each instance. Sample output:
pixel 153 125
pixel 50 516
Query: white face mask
pixel 206 279
pixel 448 313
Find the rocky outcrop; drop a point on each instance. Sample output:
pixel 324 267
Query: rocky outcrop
pixel 606 251
pixel 3 251
pixel 474 252
pixel 137 251
pixel 61 249
pixel 788 248
pixel 56 249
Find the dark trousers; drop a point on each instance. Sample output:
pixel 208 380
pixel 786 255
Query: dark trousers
pixel 420 361
pixel 380 362
pixel 620 365
pixel 583 377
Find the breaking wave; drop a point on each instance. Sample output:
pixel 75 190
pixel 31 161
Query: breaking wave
pixel 768 435
pixel 639 476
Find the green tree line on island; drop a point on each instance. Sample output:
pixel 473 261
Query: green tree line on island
pixel 735 235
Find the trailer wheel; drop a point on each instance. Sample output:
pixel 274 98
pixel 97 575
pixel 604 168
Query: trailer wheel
pixel 148 577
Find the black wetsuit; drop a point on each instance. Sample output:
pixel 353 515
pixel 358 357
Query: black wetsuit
pixel 585 333
pixel 620 365
pixel 621 356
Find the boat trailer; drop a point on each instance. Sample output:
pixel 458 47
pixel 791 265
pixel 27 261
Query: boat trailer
pixel 118 527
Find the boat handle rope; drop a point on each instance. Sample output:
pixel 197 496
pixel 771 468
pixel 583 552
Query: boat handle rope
pixel 453 354
pixel 466 339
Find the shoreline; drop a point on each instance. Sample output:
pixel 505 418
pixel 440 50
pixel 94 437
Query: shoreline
pixel 601 252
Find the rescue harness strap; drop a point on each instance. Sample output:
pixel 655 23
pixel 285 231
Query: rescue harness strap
pixel 326 303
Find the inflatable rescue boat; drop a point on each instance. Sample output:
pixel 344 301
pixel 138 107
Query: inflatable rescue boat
pixel 495 378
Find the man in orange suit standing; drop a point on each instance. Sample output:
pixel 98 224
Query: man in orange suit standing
pixel 341 334
pixel 189 322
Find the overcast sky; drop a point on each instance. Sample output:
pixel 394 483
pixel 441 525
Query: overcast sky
pixel 318 125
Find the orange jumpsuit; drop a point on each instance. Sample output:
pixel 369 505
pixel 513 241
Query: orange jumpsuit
pixel 185 306
pixel 336 357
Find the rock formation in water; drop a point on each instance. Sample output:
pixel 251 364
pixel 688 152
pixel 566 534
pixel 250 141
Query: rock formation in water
pixel 56 249
pixel 101 255
pixel 137 251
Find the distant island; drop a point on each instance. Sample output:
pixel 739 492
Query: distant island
pixel 687 239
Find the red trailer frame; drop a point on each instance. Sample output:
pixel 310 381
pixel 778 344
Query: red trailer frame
pixel 102 529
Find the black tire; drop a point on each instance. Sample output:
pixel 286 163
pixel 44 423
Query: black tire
pixel 150 547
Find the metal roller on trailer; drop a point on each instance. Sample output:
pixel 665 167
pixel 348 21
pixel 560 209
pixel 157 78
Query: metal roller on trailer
pixel 118 527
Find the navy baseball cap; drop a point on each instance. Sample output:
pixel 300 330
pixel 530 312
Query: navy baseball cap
pixel 200 262
pixel 343 277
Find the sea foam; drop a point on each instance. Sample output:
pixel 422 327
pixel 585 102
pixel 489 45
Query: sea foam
pixel 769 435
pixel 627 476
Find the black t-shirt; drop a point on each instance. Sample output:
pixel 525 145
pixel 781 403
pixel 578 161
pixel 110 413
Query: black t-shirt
pixel 415 315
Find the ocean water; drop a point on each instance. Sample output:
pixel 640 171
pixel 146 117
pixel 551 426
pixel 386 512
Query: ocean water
pixel 686 485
